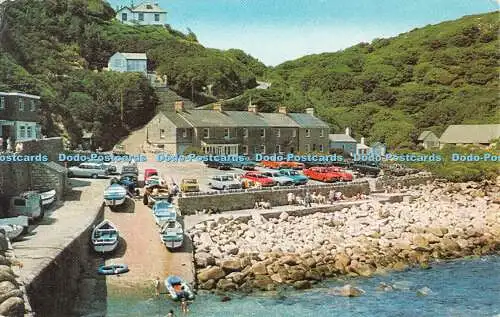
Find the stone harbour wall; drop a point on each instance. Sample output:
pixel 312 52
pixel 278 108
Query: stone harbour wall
pixel 50 147
pixel 54 288
pixel 444 221
pixel 227 201
pixel 12 296
pixel 404 181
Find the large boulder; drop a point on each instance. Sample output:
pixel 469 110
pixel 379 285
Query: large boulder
pixel 4 243
pixel 6 274
pixel 226 285
pixel 211 273
pixel 302 285
pixel 13 306
pixel 232 265
pixel 259 268
pixel 236 277
pixel 204 259
pixel 264 283
pixel 288 260
pixel 347 291
pixel 208 285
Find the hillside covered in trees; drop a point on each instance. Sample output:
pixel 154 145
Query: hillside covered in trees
pixel 57 49
pixel 391 89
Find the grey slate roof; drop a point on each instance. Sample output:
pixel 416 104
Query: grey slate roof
pixel 341 138
pixel 424 135
pixel 470 133
pixel 212 118
pixel 177 120
pixel 307 121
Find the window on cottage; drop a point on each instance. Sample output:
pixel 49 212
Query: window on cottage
pixel 321 149
pixel 308 147
pixel 157 17
pixel 244 149
pixel 124 17
pixel 22 132
pixel 262 133
pixel 33 105
pixel 21 104
pixel 162 133
pixel 278 133
pixel 294 133
pixel 141 16
pixel 321 133
pixel 206 133
pixel 245 132
pixel 308 132
pixel 226 133
pixel 29 132
pixel 184 133
pixel 2 103
pixel 278 148
pixel 314 147
pixel 263 149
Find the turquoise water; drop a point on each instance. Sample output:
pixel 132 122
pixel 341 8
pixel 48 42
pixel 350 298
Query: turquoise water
pixel 458 288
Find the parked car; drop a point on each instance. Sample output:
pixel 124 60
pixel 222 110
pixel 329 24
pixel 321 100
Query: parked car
pixel 224 182
pixel 148 172
pixel 367 168
pixel 270 164
pixel 93 170
pixel 259 178
pixel 292 165
pixel 322 174
pixel 297 178
pixel 130 169
pixel 218 165
pixel 344 175
pixel 190 185
pixel 27 204
pixel 279 178
pixel 245 165
pixel 110 167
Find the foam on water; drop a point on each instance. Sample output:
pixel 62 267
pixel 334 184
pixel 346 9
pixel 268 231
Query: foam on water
pixel 457 288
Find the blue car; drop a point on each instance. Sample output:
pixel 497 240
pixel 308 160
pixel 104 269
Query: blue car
pixel 245 165
pixel 297 178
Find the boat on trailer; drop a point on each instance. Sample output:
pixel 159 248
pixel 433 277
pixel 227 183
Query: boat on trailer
pixel 105 237
pixel 172 234
pixel 115 195
pixel 48 197
pixel 178 288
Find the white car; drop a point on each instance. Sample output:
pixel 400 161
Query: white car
pixel 93 170
pixel 224 182
pixel 279 178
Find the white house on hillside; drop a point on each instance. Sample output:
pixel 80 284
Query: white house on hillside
pixel 128 62
pixel 144 14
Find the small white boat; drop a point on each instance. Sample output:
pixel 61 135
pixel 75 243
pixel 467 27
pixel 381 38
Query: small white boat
pixel 105 237
pixel 12 231
pixel 115 195
pixel 172 234
pixel 178 288
pixel 164 211
pixel 48 197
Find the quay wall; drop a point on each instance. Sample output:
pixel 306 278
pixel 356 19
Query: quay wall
pixel 53 288
pixel 237 200
pixel 410 180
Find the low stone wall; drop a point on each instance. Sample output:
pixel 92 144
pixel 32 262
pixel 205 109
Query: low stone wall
pixel 276 196
pixel 11 292
pixel 52 290
pixel 404 181
pixel 50 147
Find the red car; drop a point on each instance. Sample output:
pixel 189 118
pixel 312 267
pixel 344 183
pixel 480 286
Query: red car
pixel 322 174
pixel 344 176
pixel 148 172
pixel 264 181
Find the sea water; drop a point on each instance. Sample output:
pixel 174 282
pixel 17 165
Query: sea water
pixel 467 287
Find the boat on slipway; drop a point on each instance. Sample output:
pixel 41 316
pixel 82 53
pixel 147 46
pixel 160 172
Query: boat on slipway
pixel 172 234
pixel 115 195
pixel 178 288
pixel 105 237
pixel 48 197
pixel 164 211
pixel 112 269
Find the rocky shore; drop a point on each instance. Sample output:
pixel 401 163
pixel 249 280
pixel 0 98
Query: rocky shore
pixel 443 221
pixel 11 292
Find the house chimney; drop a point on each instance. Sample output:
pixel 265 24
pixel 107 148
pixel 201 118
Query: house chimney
pixel 310 111
pixel 282 109
pixel 362 140
pixel 252 108
pixel 217 106
pixel 179 106
pixel 348 131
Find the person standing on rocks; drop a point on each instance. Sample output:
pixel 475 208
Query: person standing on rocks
pixel 307 200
